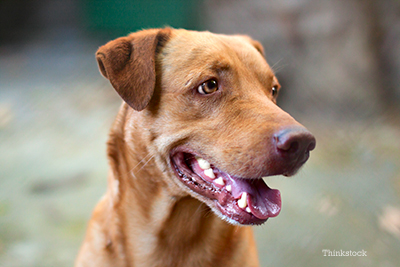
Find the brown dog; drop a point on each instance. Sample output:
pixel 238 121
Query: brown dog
pixel 198 129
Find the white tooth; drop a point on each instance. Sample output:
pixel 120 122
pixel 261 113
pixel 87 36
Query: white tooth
pixel 219 181
pixel 228 188
pixel 242 202
pixel 248 209
pixel 204 164
pixel 209 172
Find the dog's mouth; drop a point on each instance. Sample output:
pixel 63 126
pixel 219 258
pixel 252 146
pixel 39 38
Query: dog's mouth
pixel 239 200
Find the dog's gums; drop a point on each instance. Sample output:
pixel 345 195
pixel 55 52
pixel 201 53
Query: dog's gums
pixel 244 201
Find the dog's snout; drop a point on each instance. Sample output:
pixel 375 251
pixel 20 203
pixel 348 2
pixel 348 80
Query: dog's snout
pixel 295 143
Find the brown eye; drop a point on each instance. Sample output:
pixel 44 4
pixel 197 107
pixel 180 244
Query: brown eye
pixel 274 90
pixel 208 87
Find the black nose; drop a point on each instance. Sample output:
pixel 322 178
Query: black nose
pixel 295 143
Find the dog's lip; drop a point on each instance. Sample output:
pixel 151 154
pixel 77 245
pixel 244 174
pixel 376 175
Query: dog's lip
pixel 263 202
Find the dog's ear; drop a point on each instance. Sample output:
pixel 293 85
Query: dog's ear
pixel 129 64
pixel 258 46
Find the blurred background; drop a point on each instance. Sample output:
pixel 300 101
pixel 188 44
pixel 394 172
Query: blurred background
pixel 338 62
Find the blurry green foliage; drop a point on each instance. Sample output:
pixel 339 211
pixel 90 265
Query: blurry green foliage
pixel 120 17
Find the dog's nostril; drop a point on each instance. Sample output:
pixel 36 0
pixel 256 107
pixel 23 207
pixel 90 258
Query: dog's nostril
pixel 311 145
pixel 293 147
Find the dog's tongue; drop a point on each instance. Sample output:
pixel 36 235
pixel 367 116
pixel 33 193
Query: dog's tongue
pixel 263 201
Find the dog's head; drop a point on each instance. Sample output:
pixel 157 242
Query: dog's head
pixel 209 106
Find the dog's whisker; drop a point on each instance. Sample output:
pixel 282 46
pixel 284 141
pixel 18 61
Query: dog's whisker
pixel 278 69
pixel 275 64
pixel 208 213
pixel 146 163
pixel 141 161
pixel 200 208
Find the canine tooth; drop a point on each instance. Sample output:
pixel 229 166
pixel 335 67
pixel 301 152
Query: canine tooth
pixel 219 181
pixel 248 209
pixel 242 202
pixel 228 188
pixel 209 172
pixel 204 164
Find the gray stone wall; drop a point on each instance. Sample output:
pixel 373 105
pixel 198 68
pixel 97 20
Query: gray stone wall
pixel 336 59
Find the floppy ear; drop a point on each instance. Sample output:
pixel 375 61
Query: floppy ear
pixel 129 63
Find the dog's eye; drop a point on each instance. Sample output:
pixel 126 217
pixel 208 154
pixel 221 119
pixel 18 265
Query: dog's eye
pixel 208 87
pixel 274 90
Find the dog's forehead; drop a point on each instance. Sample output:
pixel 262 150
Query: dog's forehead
pixel 210 40
pixel 202 44
pixel 197 52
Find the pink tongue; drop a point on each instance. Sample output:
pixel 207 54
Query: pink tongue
pixel 263 201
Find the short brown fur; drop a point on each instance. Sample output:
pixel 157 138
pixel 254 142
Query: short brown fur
pixel 148 217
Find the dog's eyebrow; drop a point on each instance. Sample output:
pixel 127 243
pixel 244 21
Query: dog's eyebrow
pixel 215 67
pixel 220 66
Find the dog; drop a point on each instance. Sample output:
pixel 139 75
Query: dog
pixel 197 130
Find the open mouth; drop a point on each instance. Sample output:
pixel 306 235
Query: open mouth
pixel 239 200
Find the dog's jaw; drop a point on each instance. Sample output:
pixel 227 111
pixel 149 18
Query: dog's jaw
pixel 236 200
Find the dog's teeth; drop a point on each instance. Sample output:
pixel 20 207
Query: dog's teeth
pixel 248 209
pixel 204 164
pixel 209 173
pixel 242 202
pixel 219 181
pixel 228 188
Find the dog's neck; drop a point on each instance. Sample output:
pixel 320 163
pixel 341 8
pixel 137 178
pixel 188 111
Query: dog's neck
pixel 148 223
